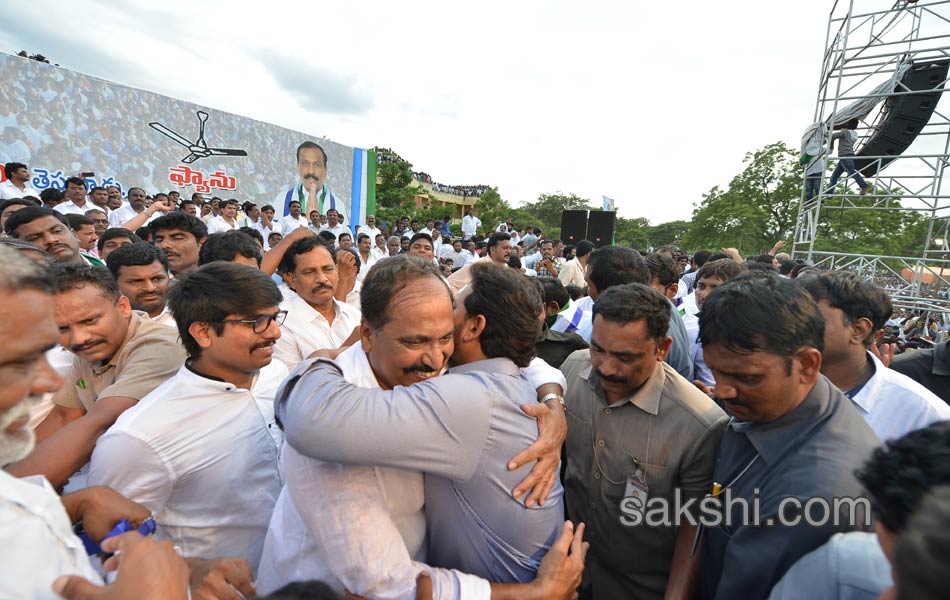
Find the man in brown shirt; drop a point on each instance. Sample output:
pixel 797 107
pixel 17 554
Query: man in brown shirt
pixel 638 433
pixel 121 356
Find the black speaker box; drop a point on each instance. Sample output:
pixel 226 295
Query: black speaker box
pixel 600 227
pixel 573 226
pixel 905 117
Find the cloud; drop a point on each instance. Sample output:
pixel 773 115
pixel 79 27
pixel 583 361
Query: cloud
pixel 316 88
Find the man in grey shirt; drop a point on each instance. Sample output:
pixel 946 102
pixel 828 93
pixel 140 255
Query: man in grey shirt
pixel 461 429
pixel 794 437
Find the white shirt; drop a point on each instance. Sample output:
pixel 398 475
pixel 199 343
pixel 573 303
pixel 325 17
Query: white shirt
pixel 166 318
pixel 355 527
pixel 372 232
pixel 71 208
pixel 121 216
pixel 288 223
pixel 465 257
pixel 470 225
pixel 572 273
pixel 8 190
pixel 366 265
pixel 203 456
pixel 336 230
pixel 38 540
pixel 305 331
pixel 893 404
pixel 218 225
pixel 275 227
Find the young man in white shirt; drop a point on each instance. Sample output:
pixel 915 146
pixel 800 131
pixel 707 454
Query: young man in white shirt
pixel 333 224
pixel 318 317
pixel 227 220
pixel 470 224
pixel 267 225
pixel 135 207
pixel 17 184
pixel 75 195
pixel 293 219
pixel 201 451
pixel 854 310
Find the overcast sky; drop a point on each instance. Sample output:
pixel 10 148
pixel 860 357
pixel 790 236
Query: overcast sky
pixel 651 103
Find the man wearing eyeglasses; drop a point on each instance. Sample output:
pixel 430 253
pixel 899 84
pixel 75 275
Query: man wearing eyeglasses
pixel 201 451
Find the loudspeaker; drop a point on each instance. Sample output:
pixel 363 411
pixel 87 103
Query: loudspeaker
pixel 600 227
pixel 905 117
pixel 573 226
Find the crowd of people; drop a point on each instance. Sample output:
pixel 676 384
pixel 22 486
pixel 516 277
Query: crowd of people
pixel 208 399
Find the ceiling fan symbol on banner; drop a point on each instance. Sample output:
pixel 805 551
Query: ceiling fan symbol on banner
pixel 198 148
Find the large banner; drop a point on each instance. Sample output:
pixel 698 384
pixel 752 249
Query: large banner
pixel 61 123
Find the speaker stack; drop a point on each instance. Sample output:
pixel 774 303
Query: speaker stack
pixel 598 227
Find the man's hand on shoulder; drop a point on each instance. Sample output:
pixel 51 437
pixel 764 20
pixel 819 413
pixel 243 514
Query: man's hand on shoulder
pixel 552 430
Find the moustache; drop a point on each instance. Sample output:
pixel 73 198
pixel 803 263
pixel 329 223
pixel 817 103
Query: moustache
pixel 610 378
pixel 83 347
pixel 321 286
pixel 309 176
pixel 422 369
pixel 261 345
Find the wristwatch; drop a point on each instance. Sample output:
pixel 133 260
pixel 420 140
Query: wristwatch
pixel 553 396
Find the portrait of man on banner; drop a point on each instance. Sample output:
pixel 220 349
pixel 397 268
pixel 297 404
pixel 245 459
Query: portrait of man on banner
pixel 312 190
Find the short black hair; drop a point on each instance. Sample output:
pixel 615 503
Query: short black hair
pixel 632 302
pixel 12 167
pixel 76 221
pixel 899 473
pixel 584 247
pixel 4 205
pixel 328 237
pixel 722 269
pixel 144 233
pixel 662 268
pixel 302 246
pixel 74 181
pixel 786 266
pixel 496 238
pixel 138 254
pixel 421 236
pixel 51 195
pixel 30 214
pixel 921 551
pixel 225 246
pixel 386 280
pixel 215 291
pixel 116 232
pixel 359 237
pixel 183 203
pixel 512 309
pixel 312 145
pixel 700 257
pixel 253 233
pixel 344 234
pixel 854 296
pixel 304 590
pixel 553 290
pixel 180 221
pixel 761 312
pixel 67 277
pixel 616 265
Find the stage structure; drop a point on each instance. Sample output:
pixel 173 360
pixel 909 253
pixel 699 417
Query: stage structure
pixel 886 64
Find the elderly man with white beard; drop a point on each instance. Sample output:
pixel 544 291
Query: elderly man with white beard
pixel 362 528
pixel 38 543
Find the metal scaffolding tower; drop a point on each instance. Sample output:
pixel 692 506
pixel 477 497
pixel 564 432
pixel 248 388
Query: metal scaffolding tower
pixel 868 44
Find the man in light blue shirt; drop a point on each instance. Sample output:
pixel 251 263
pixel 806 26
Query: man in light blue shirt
pixel 461 429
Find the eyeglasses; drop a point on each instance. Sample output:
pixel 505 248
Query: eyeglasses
pixel 262 322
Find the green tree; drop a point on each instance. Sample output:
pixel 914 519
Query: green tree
pixel 633 233
pixel 758 208
pixel 670 233
pixel 491 209
pixel 549 207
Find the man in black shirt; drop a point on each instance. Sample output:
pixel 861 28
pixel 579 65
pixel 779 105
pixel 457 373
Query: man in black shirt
pixel 793 443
